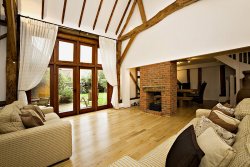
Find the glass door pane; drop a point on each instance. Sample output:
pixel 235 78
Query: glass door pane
pixel 102 89
pixel 85 54
pixel 85 88
pixel 65 90
pixel 66 51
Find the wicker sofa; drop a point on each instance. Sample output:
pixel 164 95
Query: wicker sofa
pixel 157 157
pixel 39 146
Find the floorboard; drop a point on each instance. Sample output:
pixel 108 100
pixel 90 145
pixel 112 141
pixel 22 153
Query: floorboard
pixel 102 137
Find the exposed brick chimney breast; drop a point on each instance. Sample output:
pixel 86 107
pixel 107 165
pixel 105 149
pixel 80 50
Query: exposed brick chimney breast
pixel 161 77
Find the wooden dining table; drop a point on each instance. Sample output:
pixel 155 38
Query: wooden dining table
pixel 184 96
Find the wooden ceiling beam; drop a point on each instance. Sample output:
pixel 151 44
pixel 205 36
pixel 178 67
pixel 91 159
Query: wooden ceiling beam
pixel 111 15
pixel 175 6
pixel 42 14
pixel 82 11
pixel 3 22
pixel 64 9
pixel 3 36
pixel 142 11
pixel 128 18
pixel 124 54
pixel 123 16
pixel 97 14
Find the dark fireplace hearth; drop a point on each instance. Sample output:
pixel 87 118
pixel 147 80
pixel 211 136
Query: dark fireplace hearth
pixel 155 106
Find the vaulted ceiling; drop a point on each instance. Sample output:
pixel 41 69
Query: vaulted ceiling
pixel 102 17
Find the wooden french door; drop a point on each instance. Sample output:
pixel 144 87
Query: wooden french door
pixel 66 91
pixel 79 83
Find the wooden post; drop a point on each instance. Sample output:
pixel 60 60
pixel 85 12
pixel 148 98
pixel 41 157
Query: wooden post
pixel 11 60
pixel 118 67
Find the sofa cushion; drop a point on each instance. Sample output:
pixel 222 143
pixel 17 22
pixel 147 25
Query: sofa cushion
pixel 224 121
pixel 204 123
pixel 10 120
pixel 30 121
pixel 52 116
pixel 242 109
pixel 217 152
pixel 37 110
pixel 185 148
pixel 224 109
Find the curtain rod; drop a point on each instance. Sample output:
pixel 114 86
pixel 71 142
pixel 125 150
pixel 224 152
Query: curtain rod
pixel 63 26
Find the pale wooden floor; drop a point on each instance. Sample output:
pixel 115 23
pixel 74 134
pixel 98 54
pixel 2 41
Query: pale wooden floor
pixel 102 137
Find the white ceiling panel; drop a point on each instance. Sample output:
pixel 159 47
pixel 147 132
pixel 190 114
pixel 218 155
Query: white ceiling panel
pixel 104 14
pixel 89 14
pixel 53 13
pixel 121 5
pixel 73 12
pixel 31 8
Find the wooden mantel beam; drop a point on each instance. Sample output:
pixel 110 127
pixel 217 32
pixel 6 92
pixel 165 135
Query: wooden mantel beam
pixel 11 60
pixel 175 6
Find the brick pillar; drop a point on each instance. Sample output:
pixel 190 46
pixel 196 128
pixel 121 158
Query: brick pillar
pixel 161 77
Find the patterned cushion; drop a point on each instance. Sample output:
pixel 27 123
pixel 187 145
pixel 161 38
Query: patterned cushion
pixel 31 121
pixel 37 110
pixel 217 152
pixel 10 120
pixel 223 121
pixel 204 123
pixel 242 109
pixel 224 109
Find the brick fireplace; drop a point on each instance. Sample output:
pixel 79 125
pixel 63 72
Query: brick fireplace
pixel 159 80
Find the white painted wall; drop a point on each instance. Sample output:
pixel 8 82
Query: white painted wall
pixel 194 78
pixel 207 26
pixel 211 75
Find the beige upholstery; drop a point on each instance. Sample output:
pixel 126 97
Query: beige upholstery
pixel 47 110
pixel 242 109
pixel 125 162
pixel 40 146
pixel 202 112
pixel 157 157
pixel 242 144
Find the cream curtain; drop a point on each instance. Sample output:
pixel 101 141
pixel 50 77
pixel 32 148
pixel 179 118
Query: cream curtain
pixel 37 40
pixel 108 56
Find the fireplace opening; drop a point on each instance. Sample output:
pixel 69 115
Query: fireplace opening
pixel 155 103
